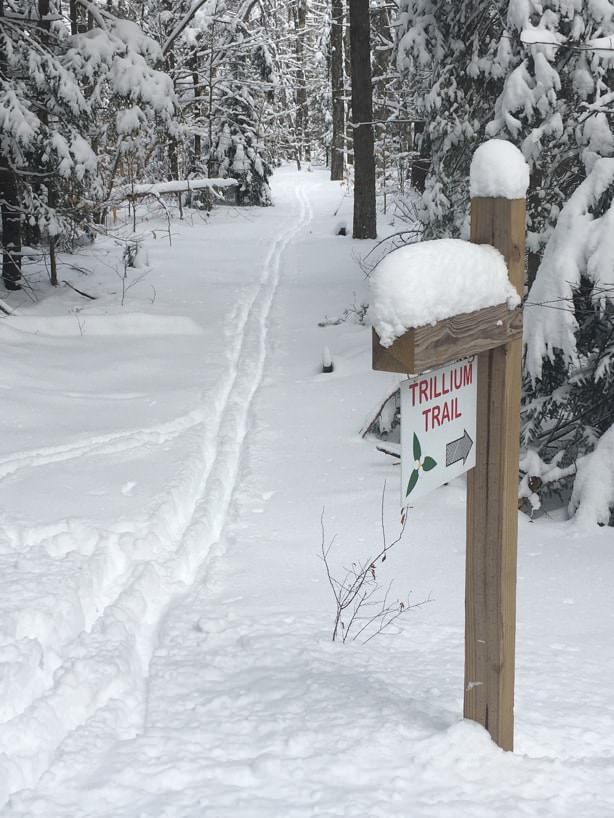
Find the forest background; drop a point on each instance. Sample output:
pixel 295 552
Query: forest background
pixel 108 104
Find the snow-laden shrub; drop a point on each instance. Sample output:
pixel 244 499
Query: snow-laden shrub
pixel 569 343
pixel 592 500
pixel 522 71
pixel 238 155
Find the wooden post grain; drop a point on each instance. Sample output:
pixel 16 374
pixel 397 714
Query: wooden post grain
pixel 492 505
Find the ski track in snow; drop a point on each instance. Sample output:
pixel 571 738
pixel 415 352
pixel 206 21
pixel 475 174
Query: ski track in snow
pixel 103 675
pixel 102 445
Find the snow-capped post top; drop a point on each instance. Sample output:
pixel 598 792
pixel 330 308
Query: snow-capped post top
pixel 498 171
pixel 429 281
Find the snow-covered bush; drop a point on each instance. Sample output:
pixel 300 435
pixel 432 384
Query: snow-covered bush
pixel 539 75
pixel 44 159
pixel 132 102
pixel 448 56
pixel 569 339
pixel 521 71
pixel 237 155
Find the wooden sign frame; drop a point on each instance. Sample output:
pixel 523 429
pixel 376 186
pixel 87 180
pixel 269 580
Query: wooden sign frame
pixel 495 335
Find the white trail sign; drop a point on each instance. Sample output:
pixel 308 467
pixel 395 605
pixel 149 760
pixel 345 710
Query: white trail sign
pixel 438 424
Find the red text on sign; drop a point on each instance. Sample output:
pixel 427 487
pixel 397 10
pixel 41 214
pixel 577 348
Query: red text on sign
pixel 440 413
pixel 440 384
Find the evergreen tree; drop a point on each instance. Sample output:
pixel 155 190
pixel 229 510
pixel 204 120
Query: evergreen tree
pixel 539 75
pixel 569 335
pixel 132 104
pixel 450 59
pixel 43 112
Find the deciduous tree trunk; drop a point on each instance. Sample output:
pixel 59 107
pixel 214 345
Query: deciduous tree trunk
pixel 347 65
pixel 9 209
pixel 421 161
pixel 338 90
pixel 365 222
pixel 44 11
pixel 78 18
pixel 11 227
pixel 302 111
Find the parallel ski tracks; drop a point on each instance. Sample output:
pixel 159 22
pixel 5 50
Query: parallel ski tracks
pixel 107 664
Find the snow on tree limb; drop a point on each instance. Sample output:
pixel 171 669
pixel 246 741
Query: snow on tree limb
pixel 582 245
pixel 592 500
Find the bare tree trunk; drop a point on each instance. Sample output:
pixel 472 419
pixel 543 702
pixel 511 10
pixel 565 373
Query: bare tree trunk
pixel 338 90
pixel 173 160
pixel 73 11
pixel 78 18
pixel 365 221
pixel 9 210
pixel 302 112
pixel 212 163
pixel 195 66
pixel 420 164
pixel 44 10
pixel 11 227
pixel 198 111
pixel 347 65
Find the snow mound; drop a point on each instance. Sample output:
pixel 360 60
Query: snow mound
pixel 426 282
pixel 499 170
pixel 592 500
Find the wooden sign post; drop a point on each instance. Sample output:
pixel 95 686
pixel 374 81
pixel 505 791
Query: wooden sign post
pixel 494 334
pixel 492 498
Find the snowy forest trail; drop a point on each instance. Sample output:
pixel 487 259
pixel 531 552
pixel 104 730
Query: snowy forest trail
pixel 101 677
pixel 165 617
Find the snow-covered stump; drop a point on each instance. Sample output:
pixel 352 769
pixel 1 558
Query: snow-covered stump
pixel 432 304
pixel 499 181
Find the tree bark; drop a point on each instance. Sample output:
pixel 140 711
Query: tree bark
pixel 421 162
pixel 198 91
pixel 78 19
pixel 11 226
pixel 347 65
pixel 338 89
pixel 302 113
pixel 365 221
pixel 44 10
pixel 10 212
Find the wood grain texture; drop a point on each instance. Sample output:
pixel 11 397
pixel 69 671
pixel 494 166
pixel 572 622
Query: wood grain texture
pixel 423 348
pixel 492 507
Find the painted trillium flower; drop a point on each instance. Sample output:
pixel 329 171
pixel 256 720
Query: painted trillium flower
pixel 420 464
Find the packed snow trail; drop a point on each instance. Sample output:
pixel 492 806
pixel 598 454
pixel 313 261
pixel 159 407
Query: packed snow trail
pixel 239 705
pixel 101 674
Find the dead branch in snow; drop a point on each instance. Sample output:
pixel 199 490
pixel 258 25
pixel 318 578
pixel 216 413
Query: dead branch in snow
pixel 361 609
pixel 81 292
pixel 388 451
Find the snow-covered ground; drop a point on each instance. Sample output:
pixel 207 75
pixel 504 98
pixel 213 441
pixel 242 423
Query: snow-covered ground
pixel 165 615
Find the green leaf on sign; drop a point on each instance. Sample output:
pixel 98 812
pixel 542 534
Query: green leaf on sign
pixel 429 463
pixel 412 481
pixel 417 449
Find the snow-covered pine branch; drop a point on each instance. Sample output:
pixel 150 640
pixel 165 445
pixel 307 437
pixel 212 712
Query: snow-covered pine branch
pixel 569 341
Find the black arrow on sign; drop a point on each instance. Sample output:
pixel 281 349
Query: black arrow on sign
pixel 458 449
